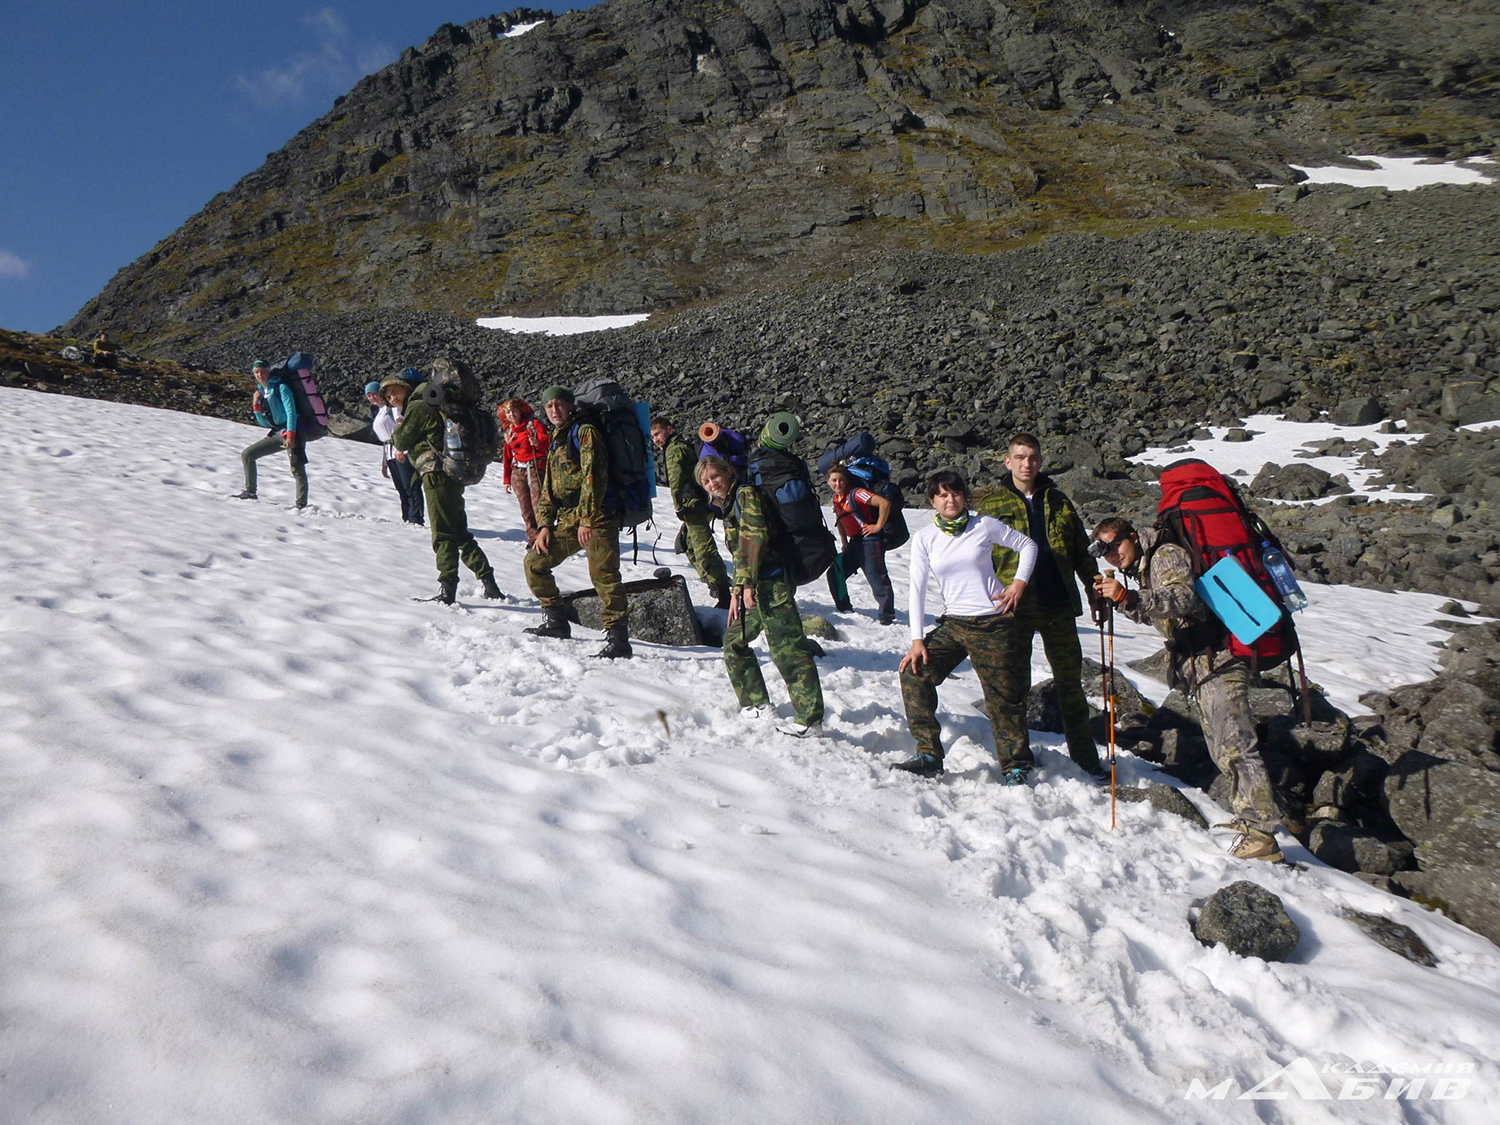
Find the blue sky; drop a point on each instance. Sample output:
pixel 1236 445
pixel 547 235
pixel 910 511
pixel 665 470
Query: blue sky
pixel 120 121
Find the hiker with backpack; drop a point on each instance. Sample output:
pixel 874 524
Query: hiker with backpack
pixel 764 593
pixel 1200 663
pixel 525 453
pixel 977 624
pixel 577 512
pixel 1028 501
pixel 394 463
pixel 274 406
pixel 691 505
pixel 428 440
pixel 861 517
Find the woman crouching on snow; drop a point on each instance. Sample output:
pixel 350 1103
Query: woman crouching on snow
pixel 976 624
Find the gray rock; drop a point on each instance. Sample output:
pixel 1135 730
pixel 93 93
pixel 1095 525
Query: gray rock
pixel 1395 936
pixel 820 627
pixel 661 612
pixel 1248 920
pixel 1295 482
pixel 1357 412
pixel 1167 799
pixel 1350 848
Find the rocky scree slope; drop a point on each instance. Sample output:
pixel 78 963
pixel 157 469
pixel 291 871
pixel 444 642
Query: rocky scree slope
pixel 645 153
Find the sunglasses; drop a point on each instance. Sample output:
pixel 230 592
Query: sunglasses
pixel 1104 548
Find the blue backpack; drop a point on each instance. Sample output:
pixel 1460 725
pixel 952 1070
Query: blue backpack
pixel 805 544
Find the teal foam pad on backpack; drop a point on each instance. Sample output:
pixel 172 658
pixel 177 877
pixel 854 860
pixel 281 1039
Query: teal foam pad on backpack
pixel 1236 600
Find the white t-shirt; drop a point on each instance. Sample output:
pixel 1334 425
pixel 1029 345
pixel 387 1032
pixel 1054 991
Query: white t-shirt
pixel 963 569
pixel 387 418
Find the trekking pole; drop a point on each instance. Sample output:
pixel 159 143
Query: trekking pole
pixel 1109 668
pixel 1306 694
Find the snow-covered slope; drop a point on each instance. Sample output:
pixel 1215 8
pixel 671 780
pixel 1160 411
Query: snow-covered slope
pixel 283 845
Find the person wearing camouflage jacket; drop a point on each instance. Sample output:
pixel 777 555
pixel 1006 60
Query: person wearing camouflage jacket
pixel 420 436
pixel 1028 501
pixel 691 505
pixel 763 598
pixel 572 515
pixel 1220 683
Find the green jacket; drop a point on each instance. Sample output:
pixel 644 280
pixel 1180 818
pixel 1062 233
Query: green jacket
pixel 748 537
pixel 680 460
pixel 420 434
pixel 574 482
pixel 1066 535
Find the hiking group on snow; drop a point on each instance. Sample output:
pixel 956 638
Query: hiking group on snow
pixel 1008 560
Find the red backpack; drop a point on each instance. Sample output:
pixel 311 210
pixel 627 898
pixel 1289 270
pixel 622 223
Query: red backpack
pixel 1201 511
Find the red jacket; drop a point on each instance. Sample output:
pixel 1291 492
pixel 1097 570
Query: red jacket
pixel 523 443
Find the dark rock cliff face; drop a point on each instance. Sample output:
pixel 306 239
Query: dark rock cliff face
pixel 650 152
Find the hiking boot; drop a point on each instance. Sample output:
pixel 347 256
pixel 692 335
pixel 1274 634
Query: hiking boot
pixel 491 590
pixel 248 494
pixel 1252 843
pixel 1099 775
pixel 1016 775
pixel 844 607
pixel 616 644
pixel 923 765
pixel 447 591
pixel 801 730
pixel 721 595
pixel 555 626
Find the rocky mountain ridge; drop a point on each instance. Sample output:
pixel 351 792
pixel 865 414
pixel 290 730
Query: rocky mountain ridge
pixel 648 153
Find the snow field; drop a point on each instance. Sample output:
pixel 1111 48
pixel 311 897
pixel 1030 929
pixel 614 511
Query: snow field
pixel 285 845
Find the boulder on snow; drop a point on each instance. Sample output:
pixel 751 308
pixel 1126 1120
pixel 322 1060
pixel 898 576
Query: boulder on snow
pixel 1249 921
pixel 1395 936
pixel 661 612
pixel 1167 799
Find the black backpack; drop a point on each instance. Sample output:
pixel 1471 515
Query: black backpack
pixel 471 434
pixel 875 475
pixel 805 544
pixel 626 426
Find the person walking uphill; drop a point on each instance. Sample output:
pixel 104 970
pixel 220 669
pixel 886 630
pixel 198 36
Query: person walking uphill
pixel 763 595
pixel 573 515
pixel 1027 501
pixel 691 505
pixel 955 548
pixel 420 436
pixel 1219 682
pixel 275 408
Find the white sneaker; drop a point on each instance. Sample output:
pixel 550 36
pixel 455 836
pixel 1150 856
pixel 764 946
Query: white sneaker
pixel 753 714
pixel 802 730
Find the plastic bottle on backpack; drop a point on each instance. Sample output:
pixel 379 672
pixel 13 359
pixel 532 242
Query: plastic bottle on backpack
pixel 1281 574
pixel 453 442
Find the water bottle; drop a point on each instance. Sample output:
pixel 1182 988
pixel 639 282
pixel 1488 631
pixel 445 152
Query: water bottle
pixel 453 442
pixel 1281 574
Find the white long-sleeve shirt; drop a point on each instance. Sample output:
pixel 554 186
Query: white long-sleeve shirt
pixel 386 419
pixel 961 564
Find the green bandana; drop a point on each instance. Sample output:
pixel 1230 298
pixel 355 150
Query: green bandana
pixel 951 527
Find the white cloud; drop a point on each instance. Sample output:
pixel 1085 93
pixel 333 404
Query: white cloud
pixel 13 266
pixel 331 63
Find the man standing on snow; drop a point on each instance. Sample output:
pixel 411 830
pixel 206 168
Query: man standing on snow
pixel 1027 501
pixel 420 436
pixel 691 505
pixel 1219 682
pixel 573 515
pixel 275 408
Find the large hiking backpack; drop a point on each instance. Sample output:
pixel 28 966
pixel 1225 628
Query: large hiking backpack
pixel 471 435
pixel 805 544
pixel 1202 511
pixel 714 440
pixel 312 412
pixel 626 426
pixel 875 475
pixel 860 445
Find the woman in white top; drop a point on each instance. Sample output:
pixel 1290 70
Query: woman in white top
pixel 977 624
pixel 393 462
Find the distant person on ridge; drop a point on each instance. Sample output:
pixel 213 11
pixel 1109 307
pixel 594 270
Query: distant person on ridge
pixel 573 515
pixel 524 456
pixel 104 352
pixel 691 505
pixel 1219 682
pixel 393 462
pixel 1027 501
pixel 275 408
pixel 420 436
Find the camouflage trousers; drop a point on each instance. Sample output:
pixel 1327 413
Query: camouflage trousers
pixel 604 570
pixel 701 549
pixel 1059 632
pixel 992 644
pixel 776 611
pixel 1223 695
pixel 451 538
